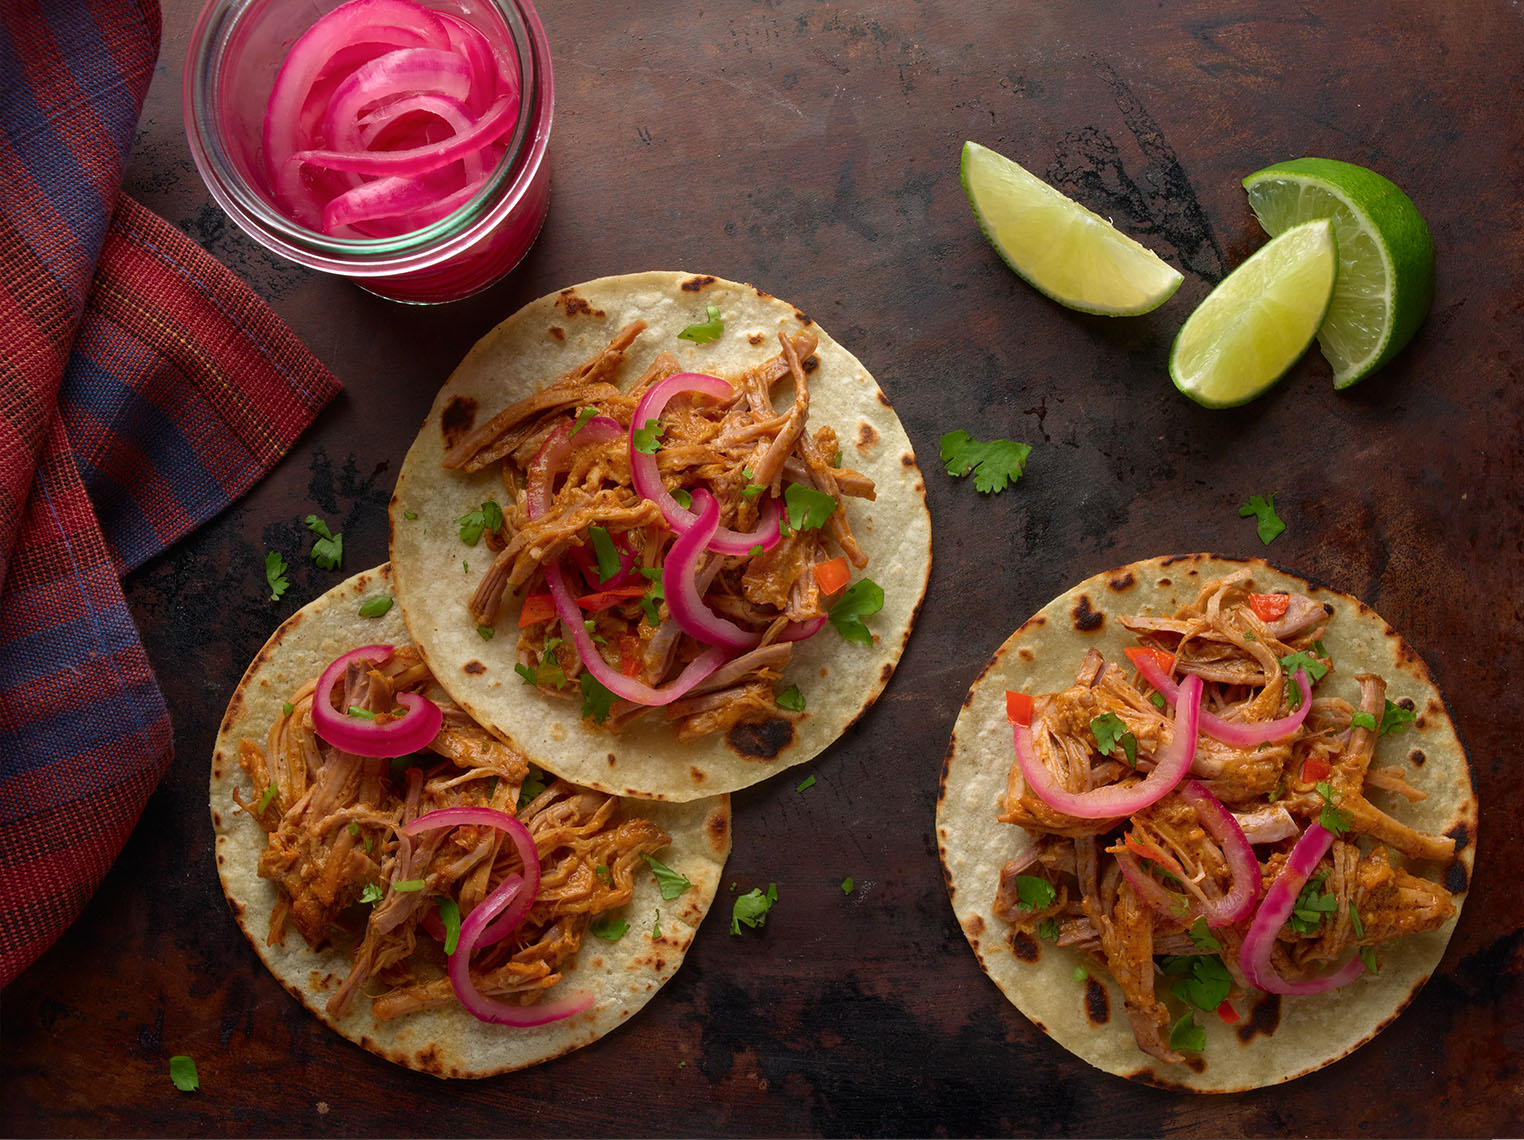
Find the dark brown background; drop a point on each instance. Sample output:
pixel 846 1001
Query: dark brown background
pixel 812 149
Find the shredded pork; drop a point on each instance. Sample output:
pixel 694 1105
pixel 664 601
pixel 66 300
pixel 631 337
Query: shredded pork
pixel 334 848
pixel 1379 869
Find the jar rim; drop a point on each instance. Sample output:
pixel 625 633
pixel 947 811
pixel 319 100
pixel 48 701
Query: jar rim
pixel 429 245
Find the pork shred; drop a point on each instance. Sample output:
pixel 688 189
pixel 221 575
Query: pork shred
pixel 335 850
pixel 745 449
pixel 1380 869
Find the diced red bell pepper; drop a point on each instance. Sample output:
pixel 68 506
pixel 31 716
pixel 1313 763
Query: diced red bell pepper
pixel 536 608
pixel 832 575
pixel 1227 1012
pixel 1018 708
pixel 1165 661
pixel 1315 768
pixel 603 599
pixel 1269 607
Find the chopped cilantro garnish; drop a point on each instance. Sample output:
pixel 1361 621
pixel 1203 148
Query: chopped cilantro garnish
pixel 1267 523
pixel 1316 671
pixel 531 789
pixel 647 439
pixel 583 415
pixel 1034 893
pixel 375 607
pixel 808 509
pixel 363 714
pixel 182 1070
pixel 1203 937
pixel 806 783
pixel 705 331
pixel 1338 820
pixel 1395 718
pixel 1186 1036
pixel 1080 973
pixel 354 829
pixel 752 490
pixel 371 893
pixel 861 598
pixel 1363 720
pixel 683 497
pixel 1157 700
pixel 328 550
pixel 1109 731
pixel 751 908
pixel 603 874
pixel 407 886
pixel 596 700
pixel 608 928
pixel 1047 929
pixel 591 626
pixel 1368 956
pixel 275 575
pixel 1203 981
pixel 1276 792
pixel 756 551
pixel 288 708
pixel 1311 905
pixel 1354 920
pixel 656 925
pixel 671 883
pixel 846 885
pixel 605 551
pixel 487 517
pixel 410 515
pixel 264 800
pixel 449 914
pixel 1317 647
pixel 485 632
pixel 995 464
pixel 791 698
pixel 836 459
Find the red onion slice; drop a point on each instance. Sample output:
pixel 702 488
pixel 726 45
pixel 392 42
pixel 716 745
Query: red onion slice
pixel 1115 801
pixel 523 842
pixel 415 729
pixel 1169 903
pixel 1220 824
pixel 1230 732
pixel 1254 957
pixel 679 583
pixel 647 478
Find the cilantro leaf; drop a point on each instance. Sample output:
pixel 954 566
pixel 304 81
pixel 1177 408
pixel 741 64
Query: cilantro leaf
pixel 1267 523
pixel 182 1070
pixel 264 800
pixel 407 886
pixel 995 464
pixel 1186 1036
pixel 1047 929
pixel 1336 819
pixel 751 909
pixel 671 883
pixel 531 789
pixel 583 415
pixel 705 331
pixel 1207 984
pixel 1367 955
pixel 647 440
pixel 1033 893
pixel 1316 671
pixel 375 607
pixel 1395 718
pixel 1311 905
pixel 288 708
pixel 846 885
pixel 596 700
pixel 683 496
pixel 791 698
pixel 808 509
pixel 861 598
pixel 1109 731
pixel 275 575
pixel 371 893
pixel 485 632
pixel 1203 937
pixel 328 550
pixel 608 928
pixel 806 783
pixel 1363 720
pixel 1354 920
pixel 487 517
pixel 656 925
pixel 605 550
pixel 449 914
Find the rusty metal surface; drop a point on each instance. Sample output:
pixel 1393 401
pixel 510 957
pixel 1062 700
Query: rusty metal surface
pixel 811 148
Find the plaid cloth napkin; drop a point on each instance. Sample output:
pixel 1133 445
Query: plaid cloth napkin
pixel 142 389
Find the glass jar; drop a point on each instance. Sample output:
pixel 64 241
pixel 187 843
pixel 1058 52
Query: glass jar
pixel 237 49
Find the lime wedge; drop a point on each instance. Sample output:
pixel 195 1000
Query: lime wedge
pixel 1259 320
pixel 1386 256
pixel 1074 256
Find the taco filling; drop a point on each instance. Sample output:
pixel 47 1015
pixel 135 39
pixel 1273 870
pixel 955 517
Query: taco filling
pixel 396 824
pixel 672 538
pixel 1206 825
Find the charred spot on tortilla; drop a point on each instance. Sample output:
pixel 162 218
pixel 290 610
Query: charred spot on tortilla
pixel 809 364
pixel 973 926
pixel 697 775
pixel 1024 946
pixel 457 420
pixel 718 826
pixel 802 319
pixel 1097 1004
pixel 761 740
pixel 475 667
pixel 573 305
pixel 1123 583
pixel 1263 1020
pixel 1086 619
pixel 1456 879
pixel 696 284
pixel 886 672
pixel 556 332
pixel 1416 757
pixel 754 338
pixel 867 435
pixel 1026 655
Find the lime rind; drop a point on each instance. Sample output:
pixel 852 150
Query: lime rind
pixel 1260 319
pixel 1386 255
pixel 1060 248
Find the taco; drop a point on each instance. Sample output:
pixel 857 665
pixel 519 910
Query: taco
pixel 418 885
pixel 662 533
pixel 1208 825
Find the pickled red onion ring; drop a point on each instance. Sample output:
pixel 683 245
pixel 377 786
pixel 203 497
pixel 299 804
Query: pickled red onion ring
pixel 1223 827
pixel 1227 731
pixel 648 482
pixel 537 494
pixel 680 586
pixel 1254 956
pixel 529 855
pixel 1115 801
pixel 415 729
pixel 477 1004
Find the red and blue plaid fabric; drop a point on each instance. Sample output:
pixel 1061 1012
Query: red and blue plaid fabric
pixel 142 389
